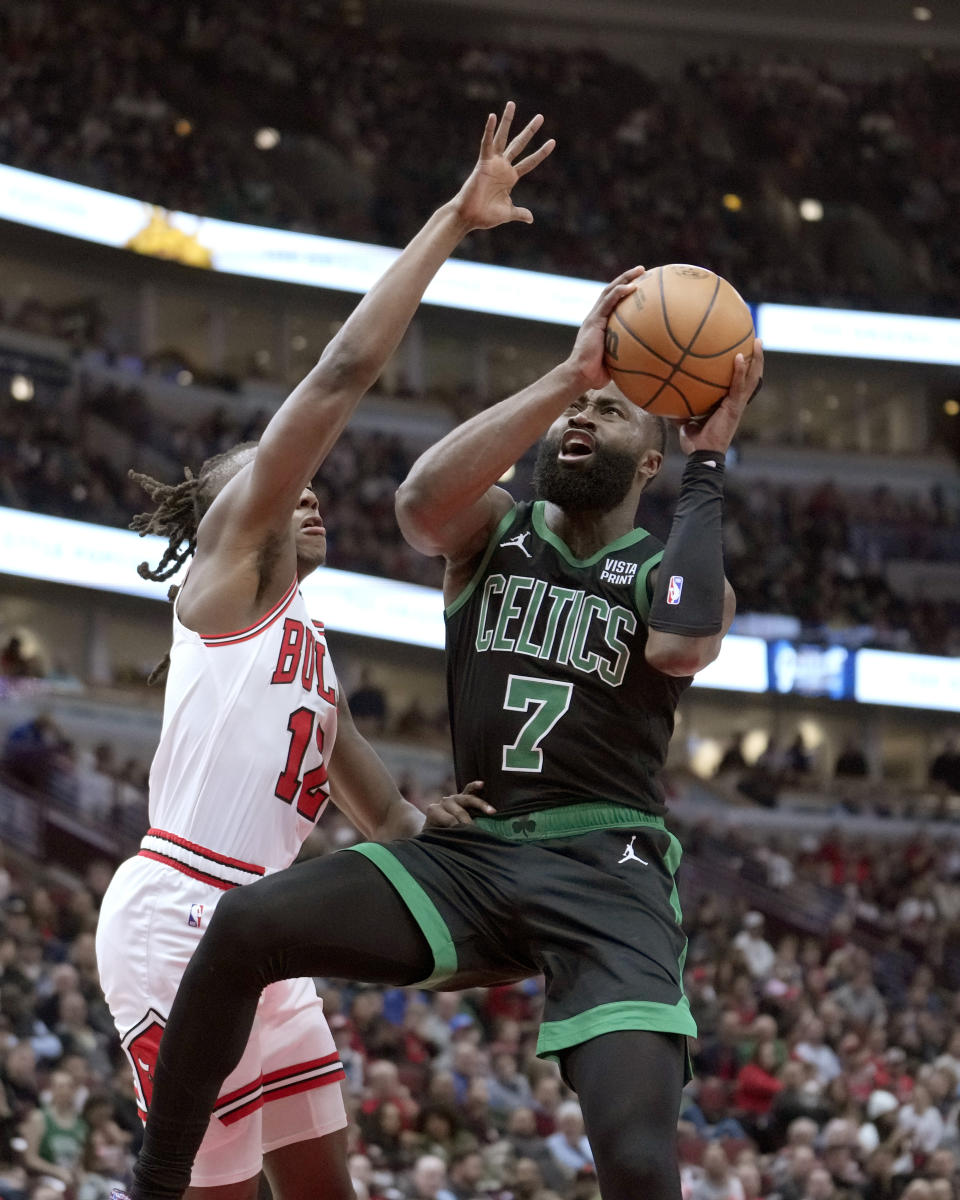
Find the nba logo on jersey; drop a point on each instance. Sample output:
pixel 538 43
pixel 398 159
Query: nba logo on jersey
pixel 675 588
pixel 193 917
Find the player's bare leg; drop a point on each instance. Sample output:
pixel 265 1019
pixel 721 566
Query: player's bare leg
pixel 247 1189
pixel 628 1084
pixel 317 1166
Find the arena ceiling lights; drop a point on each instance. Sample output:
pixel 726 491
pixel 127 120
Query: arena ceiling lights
pixel 260 253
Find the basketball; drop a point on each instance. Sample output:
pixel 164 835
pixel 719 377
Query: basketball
pixel 671 344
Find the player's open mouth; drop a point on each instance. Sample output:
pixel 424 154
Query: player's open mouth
pixel 575 446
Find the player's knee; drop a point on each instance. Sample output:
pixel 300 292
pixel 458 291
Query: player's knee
pixel 640 1165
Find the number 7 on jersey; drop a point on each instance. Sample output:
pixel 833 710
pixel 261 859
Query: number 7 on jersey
pixel 549 699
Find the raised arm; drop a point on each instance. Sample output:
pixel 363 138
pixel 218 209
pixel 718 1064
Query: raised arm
pixel 449 503
pixel 693 604
pixel 310 420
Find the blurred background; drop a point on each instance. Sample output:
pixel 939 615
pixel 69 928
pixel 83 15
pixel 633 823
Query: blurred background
pixel 811 154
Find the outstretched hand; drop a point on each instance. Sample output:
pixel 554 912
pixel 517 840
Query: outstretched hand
pixel 459 809
pixel 586 357
pixel 485 199
pixel 716 433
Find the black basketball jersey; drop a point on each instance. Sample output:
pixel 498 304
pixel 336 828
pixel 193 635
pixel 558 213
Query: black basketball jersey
pixel 551 699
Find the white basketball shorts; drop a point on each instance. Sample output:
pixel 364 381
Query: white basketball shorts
pixel 286 1088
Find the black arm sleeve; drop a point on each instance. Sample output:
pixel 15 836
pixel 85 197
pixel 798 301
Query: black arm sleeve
pixel 688 598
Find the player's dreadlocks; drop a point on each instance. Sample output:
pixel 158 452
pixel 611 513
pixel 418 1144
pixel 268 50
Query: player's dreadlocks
pixel 179 509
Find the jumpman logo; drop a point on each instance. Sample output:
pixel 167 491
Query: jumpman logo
pixel 518 542
pixel 630 855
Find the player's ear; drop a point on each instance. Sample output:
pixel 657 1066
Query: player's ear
pixel 651 461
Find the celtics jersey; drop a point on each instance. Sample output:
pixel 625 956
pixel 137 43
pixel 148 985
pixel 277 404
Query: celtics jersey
pixel 551 699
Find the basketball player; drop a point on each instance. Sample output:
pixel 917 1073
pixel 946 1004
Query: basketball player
pixel 571 636
pixel 247 759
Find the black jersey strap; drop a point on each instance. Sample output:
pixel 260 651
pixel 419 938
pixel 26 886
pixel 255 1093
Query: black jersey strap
pixel 688 597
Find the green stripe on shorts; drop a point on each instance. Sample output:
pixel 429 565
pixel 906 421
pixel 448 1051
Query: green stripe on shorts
pixel 614 1018
pixel 422 909
pixel 569 820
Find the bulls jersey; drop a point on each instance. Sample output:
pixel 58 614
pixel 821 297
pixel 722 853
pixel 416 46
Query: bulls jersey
pixel 552 701
pixel 249 721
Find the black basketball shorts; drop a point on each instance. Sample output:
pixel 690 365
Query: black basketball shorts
pixel 583 894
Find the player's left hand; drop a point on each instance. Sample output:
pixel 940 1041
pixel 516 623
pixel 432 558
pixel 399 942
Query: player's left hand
pixel 716 433
pixel 485 201
pixel 459 809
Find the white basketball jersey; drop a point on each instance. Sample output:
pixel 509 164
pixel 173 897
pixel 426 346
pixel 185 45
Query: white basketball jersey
pixel 249 721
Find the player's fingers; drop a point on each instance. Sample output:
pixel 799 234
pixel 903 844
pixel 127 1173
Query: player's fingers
pixel 526 165
pixel 755 374
pixel 474 802
pixel 523 137
pixel 611 297
pixel 473 788
pixel 486 142
pixel 456 811
pixel 627 276
pixel 521 214
pixel 503 130
pixel 738 394
pixel 436 814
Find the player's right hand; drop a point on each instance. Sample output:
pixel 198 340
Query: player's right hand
pixel 716 432
pixel 485 199
pixel 459 809
pixel 586 357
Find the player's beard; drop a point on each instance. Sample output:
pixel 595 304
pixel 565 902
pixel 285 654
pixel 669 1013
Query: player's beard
pixel 597 488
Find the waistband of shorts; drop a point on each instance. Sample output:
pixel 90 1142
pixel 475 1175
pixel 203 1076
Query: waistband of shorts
pixel 567 820
pixel 206 866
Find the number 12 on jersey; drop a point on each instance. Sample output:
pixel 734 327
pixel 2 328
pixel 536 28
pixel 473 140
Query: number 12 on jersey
pixel 549 699
pixel 311 791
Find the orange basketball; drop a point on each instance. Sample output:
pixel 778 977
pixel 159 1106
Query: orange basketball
pixel 670 345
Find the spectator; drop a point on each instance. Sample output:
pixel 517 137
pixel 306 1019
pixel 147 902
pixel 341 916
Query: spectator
pixel 428 1180
pixel 840 1148
pixel 368 703
pixel 718 1181
pixel 17 1005
pixel 881 1183
pixel 860 999
pixel 569 1146
pixel 799 759
pixel 945 768
pixel 527 1145
pixel 104 1165
pixel 30 751
pixel 55 1133
pixel 733 759
pixel 922 1123
pixel 813 1049
pixel 795 1174
pixel 383 1135
pixel 13 662
pixel 465 1175
pixel 527 1180
pixel 851 762
pixel 757 1086
pixel 508 1087
pixel 756 950
pixel 820 1186
pixel 751 1181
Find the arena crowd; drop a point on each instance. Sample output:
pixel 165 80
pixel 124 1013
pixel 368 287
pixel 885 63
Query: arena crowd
pixel 822 972
pixel 710 166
